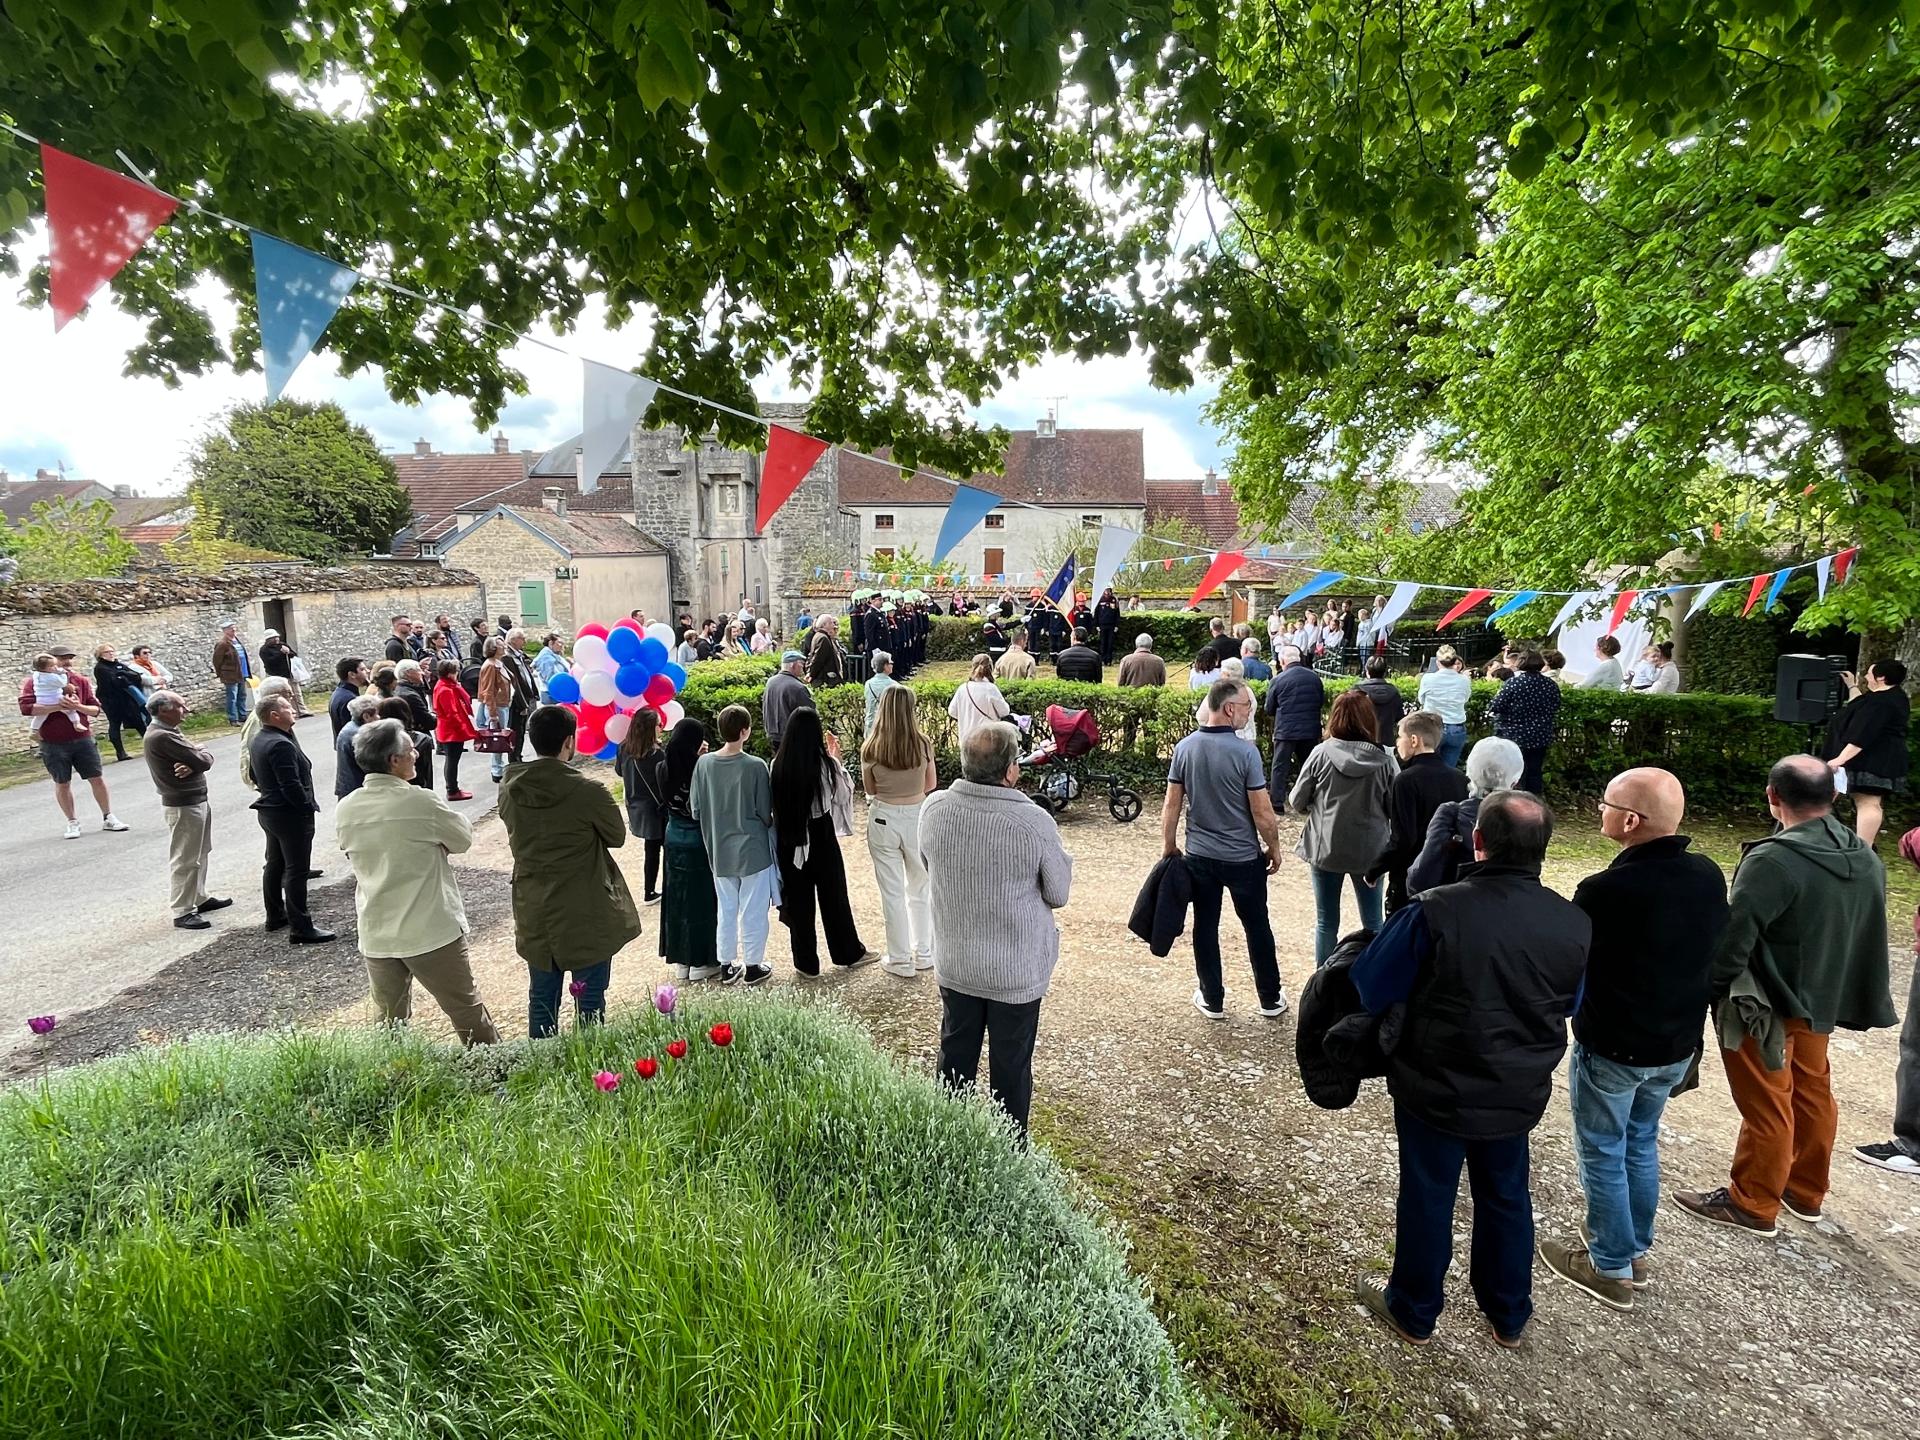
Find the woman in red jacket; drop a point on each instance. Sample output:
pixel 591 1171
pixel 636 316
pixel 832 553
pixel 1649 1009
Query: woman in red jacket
pixel 452 724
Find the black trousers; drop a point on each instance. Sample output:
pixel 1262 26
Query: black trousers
pixel 1532 765
pixel 965 1020
pixel 820 885
pixel 1288 756
pixel 450 762
pixel 134 720
pixel 652 851
pixel 283 882
pixel 1106 644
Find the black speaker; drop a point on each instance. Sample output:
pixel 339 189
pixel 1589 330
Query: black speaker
pixel 1807 689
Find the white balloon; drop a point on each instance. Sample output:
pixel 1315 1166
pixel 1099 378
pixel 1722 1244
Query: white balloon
pixel 616 728
pixel 673 713
pixel 596 688
pixel 590 653
pixel 663 632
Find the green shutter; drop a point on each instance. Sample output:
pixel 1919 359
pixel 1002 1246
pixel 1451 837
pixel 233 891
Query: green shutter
pixel 533 604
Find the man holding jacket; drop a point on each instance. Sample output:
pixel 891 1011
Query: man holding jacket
pixel 1805 953
pixel 1488 969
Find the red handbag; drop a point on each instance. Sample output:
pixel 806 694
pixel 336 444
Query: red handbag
pixel 493 742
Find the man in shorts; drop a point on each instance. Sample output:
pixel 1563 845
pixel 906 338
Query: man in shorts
pixel 66 743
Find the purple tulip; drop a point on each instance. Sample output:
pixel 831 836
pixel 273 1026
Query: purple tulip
pixel 41 1024
pixel 665 998
pixel 577 988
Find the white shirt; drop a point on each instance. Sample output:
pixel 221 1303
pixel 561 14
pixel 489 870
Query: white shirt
pixel 1666 681
pixel 976 703
pixel 1604 676
pixel 398 837
pixel 1445 693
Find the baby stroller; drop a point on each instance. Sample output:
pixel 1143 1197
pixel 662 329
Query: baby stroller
pixel 1063 759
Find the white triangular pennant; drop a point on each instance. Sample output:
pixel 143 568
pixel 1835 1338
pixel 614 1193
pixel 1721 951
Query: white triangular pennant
pixel 611 401
pixel 1398 603
pixel 1707 592
pixel 1115 542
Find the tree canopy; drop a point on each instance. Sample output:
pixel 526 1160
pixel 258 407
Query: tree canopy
pixel 901 202
pixel 298 479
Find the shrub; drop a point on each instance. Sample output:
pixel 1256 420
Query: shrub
pixel 1732 655
pixel 364 1234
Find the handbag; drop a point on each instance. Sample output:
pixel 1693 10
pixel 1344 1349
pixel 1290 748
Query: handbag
pixel 493 742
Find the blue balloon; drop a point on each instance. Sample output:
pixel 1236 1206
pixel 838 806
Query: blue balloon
pixel 652 654
pixel 623 646
pixel 563 689
pixel 632 679
pixel 606 751
pixel 677 674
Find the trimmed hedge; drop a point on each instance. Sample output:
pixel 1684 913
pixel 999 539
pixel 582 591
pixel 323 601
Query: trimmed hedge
pixel 1720 745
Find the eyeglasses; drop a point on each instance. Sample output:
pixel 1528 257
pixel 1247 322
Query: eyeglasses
pixel 1624 809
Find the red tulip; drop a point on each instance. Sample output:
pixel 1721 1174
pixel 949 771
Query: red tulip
pixel 677 1049
pixel 606 1080
pixel 721 1034
pixel 646 1067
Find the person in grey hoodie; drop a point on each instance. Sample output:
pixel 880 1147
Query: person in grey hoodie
pixel 1001 873
pixel 1342 791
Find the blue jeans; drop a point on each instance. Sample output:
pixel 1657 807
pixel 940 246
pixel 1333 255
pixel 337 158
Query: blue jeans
pixel 1453 739
pixel 1616 1125
pixel 1326 904
pixel 1502 1260
pixel 543 998
pixel 1246 881
pixel 236 701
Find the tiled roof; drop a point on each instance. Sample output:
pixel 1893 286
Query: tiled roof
pixel 441 484
pixel 576 534
pixel 1071 467
pixel 151 534
pixel 133 510
pixel 1215 516
pixel 17 504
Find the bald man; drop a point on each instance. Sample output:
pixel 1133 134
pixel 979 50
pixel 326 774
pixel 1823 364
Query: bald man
pixel 1658 912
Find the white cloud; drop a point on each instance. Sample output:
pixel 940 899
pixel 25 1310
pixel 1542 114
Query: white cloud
pixel 64 399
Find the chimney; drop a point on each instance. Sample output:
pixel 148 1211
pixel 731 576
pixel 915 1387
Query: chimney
pixel 124 492
pixel 421 447
pixel 1043 428
pixel 500 445
pixel 554 497
pixel 588 483
pixel 1210 485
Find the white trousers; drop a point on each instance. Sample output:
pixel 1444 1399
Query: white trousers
pixel 744 903
pixel 189 842
pixel 893 842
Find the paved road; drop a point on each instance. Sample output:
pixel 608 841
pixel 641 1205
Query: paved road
pixel 84 919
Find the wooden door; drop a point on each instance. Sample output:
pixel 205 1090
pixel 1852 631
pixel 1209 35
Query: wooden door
pixel 995 562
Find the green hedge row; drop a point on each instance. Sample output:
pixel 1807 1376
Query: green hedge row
pixel 1720 745
pixel 1179 635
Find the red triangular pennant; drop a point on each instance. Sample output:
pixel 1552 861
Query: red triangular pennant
pixel 1167 564
pixel 96 219
pixel 1620 604
pixel 1842 563
pixel 1224 564
pixel 789 456
pixel 1754 592
pixel 1467 602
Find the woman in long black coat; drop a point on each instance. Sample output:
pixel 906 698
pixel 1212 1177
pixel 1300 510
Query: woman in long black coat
pixel 116 685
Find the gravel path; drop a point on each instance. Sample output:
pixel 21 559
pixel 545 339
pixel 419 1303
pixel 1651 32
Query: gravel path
pixel 1203 1128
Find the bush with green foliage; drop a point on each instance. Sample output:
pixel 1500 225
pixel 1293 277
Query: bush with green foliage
pixel 67 540
pixel 1731 655
pixel 363 1234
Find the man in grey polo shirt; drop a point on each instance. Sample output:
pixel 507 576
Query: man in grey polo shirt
pixel 1233 844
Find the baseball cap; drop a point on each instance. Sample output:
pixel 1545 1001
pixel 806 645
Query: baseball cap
pixel 61 652
pixel 787 657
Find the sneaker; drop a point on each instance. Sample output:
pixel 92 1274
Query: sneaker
pixel 1277 1009
pixel 459 794
pixel 697 973
pixel 1642 1275
pixel 923 960
pixel 1200 1004
pixel 1372 1296
pixel 732 974
pixel 191 921
pixel 1574 1265
pixel 903 969
pixel 1800 1210
pixel 110 822
pixel 759 974
pixel 1718 1206
pixel 73 830
pixel 653 899
pixel 866 957
pixel 1888 1157
pixel 679 973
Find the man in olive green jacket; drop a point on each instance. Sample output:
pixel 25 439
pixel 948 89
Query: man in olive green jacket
pixel 571 907
pixel 1806 940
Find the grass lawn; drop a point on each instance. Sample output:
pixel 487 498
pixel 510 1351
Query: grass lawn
pixel 363 1234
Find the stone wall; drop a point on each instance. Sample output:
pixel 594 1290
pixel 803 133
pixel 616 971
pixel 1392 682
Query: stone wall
pixel 500 554
pixel 327 612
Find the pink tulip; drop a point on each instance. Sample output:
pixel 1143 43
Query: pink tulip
pixel 606 1080
pixel 665 998
pixel 41 1024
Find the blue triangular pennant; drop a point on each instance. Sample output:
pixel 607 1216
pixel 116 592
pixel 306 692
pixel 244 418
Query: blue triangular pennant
pixel 1313 587
pixel 297 293
pixel 1511 604
pixel 1780 578
pixel 966 510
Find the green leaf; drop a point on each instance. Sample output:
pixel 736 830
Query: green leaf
pixel 669 68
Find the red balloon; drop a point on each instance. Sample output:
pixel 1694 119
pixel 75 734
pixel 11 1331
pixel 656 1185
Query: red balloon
pixel 630 624
pixel 588 739
pixel 595 716
pixel 592 627
pixel 659 690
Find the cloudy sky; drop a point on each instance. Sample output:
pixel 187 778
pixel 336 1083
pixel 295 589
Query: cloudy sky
pixel 64 400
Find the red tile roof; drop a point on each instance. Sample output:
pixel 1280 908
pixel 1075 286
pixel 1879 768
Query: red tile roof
pixel 1072 467
pixel 151 534
pixel 441 484
pixel 18 502
pixel 1216 516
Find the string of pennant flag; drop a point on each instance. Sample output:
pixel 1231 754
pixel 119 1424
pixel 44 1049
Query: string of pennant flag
pixel 98 219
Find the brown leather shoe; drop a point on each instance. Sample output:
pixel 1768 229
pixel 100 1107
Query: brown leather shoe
pixel 1642 1275
pixel 1574 1265
pixel 1718 1206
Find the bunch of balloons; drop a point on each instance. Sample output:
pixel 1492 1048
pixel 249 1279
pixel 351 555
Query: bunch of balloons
pixel 615 672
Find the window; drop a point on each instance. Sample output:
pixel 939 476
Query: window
pixel 1093 522
pixel 885 552
pixel 996 522
pixel 883 522
pixel 429 549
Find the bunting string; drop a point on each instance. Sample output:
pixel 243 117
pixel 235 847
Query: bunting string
pixel 98 219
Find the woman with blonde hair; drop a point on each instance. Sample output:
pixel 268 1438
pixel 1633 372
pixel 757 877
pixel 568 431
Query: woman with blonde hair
pixel 896 771
pixel 1444 691
pixel 977 702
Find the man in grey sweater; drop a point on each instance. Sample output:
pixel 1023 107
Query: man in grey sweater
pixel 786 692
pixel 1002 874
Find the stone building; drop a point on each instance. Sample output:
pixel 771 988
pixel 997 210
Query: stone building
pixel 328 612
pixel 699 503
pixel 553 568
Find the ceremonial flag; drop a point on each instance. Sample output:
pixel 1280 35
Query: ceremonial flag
pixel 96 219
pixel 967 509
pixel 611 404
pixel 790 455
pixel 1062 587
